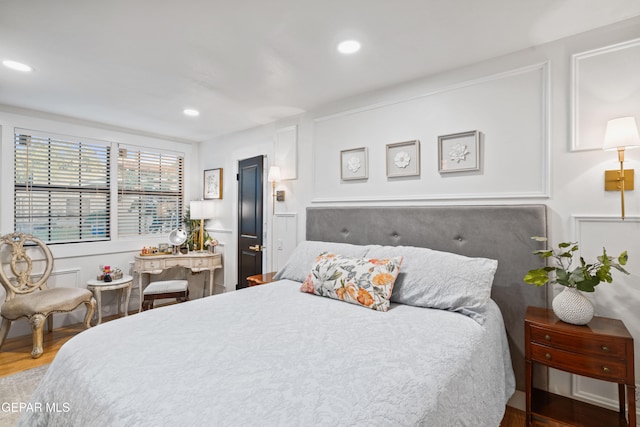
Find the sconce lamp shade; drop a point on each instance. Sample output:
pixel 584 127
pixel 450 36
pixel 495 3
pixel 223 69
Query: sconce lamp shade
pixel 621 133
pixel 274 174
pixel 201 209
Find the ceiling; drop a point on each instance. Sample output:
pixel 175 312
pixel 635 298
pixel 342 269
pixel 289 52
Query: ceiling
pixel 242 63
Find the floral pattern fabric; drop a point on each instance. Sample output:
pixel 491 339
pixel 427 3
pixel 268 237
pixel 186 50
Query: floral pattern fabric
pixel 362 281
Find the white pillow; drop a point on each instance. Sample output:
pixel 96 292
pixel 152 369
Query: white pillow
pixel 304 255
pixel 441 280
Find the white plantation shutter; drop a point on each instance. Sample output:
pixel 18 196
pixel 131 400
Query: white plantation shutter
pixel 150 191
pixel 61 187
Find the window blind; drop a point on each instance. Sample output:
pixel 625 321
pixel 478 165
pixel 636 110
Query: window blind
pixel 61 187
pixel 150 191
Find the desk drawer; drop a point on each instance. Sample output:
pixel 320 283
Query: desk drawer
pixel 200 262
pixel 578 344
pixel 175 262
pixel 152 264
pixel 596 367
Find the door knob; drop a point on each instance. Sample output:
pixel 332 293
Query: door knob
pixel 256 248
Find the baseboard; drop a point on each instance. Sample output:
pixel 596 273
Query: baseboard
pixel 518 400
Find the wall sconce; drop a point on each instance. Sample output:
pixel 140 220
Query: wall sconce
pixel 621 134
pixel 201 209
pixel 273 177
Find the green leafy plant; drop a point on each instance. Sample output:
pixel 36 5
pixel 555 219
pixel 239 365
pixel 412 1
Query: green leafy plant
pixel 585 277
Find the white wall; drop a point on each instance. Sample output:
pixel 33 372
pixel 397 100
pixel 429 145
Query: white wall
pixel 529 109
pixel 77 263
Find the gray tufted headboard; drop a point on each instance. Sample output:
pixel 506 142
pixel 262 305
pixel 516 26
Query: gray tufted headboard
pixel 497 232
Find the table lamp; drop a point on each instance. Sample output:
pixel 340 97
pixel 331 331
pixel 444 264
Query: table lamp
pixel 201 209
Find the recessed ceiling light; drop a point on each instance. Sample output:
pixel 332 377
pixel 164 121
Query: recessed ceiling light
pixel 191 112
pixel 348 47
pixel 18 66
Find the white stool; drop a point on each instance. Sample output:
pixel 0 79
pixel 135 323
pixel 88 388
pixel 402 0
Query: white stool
pixel 177 289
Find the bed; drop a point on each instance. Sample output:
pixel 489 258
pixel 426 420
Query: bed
pixel 272 355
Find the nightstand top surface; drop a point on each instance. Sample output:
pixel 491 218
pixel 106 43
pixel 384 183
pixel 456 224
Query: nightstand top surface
pixel 597 326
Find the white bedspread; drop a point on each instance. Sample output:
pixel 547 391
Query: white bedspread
pixel 271 355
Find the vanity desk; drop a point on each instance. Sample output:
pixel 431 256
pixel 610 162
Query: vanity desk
pixel 195 261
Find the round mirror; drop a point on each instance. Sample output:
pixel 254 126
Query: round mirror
pixel 177 237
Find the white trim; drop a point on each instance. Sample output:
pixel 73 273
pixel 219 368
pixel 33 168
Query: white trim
pixel 427 197
pixel 580 218
pixel 73 271
pixel 575 58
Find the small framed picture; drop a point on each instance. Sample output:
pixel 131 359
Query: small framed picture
pixel 212 184
pixel 459 152
pixel 353 164
pixel 403 159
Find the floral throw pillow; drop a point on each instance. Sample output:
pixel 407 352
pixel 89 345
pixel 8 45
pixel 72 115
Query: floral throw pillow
pixel 366 282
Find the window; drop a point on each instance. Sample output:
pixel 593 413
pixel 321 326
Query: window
pixel 62 187
pixel 150 191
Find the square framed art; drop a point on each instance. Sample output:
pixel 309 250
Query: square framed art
pixel 403 159
pixel 459 152
pixel 353 164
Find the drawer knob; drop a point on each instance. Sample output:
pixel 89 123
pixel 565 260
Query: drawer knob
pixel 605 348
pixel 547 337
pixel 547 356
pixel 605 369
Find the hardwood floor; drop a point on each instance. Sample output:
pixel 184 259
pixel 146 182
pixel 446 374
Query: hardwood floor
pixel 15 356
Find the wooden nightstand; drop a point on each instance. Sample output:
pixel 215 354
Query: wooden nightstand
pixel 602 349
pixel 260 279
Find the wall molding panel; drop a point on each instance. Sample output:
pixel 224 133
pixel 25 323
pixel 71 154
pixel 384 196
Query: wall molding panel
pixel 618 300
pixel 510 109
pixel 604 85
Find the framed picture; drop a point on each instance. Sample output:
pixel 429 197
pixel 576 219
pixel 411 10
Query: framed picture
pixel 459 152
pixel 403 159
pixel 353 164
pixel 213 184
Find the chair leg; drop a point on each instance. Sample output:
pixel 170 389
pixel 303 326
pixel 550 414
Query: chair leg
pixel 37 325
pixel 91 306
pixel 4 330
pixel 50 322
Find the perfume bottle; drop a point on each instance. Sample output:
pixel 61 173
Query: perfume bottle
pixel 107 273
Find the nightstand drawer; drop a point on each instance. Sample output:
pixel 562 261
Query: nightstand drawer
pixel 595 367
pixel 578 344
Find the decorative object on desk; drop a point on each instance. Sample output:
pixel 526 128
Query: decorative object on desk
pixel 459 152
pixel 107 273
pixel 113 273
pixel 201 209
pixel 571 305
pixel 212 184
pixel 211 244
pixel 621 134
pixel 176 238
pixel 403 159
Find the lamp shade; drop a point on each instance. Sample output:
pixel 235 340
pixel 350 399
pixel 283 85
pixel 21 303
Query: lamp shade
pixel 274 174
pixel 621 133
pixel 201 209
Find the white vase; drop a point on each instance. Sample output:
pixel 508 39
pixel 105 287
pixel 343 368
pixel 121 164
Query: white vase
pixel 572 307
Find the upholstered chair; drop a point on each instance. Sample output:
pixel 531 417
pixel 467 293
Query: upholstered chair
pixel 27 294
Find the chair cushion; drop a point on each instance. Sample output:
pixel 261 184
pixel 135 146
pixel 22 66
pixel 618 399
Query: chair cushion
pixel 45 302
pixel 165 287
